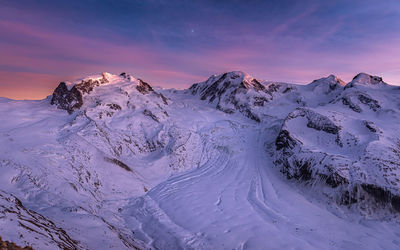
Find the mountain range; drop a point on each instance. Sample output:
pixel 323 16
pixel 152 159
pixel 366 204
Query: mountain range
pixel 234 162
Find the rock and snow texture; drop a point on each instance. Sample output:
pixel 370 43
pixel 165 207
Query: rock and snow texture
pixel 234 91
pixel 351 143
pixel 32 228
pixel 116 164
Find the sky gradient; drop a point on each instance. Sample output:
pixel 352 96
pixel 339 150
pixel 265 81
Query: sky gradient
pixel 176 43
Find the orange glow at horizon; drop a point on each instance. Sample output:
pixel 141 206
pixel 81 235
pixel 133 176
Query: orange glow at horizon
pixel 26 85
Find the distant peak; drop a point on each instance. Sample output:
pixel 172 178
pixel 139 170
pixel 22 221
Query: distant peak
pixel 106 75
pixel 363 78
pixel 336 79
pixel 229 75
pixel 143 87
pixel 331 79
pixel 237 79
pixel 71 96
pixel 238 74
pixel 124 75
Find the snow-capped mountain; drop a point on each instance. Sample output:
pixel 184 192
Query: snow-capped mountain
pixel 350 143
pixel 234 91
pixel 108 162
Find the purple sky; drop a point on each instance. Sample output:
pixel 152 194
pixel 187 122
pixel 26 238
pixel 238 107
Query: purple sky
pixel 177 43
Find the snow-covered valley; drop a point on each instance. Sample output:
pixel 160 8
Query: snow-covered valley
pixel 108 162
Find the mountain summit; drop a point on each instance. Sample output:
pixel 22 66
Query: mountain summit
pixel 364 79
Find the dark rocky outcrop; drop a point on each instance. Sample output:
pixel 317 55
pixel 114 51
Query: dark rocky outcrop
pixel 315 120
pixel 260 101
pixel 85 87
pixel 143 87
pixel 150 114
pixel 233 91
pixel 163 98
pixel 356 99
pixel 224 83
pixel 6 245
pixel 69 100
pixel 118 163
pixel 299 163
pixel 33 222
pixel 72 99
pixel 371 126
pixel 370 102
pixel 253 84
pixel 284 140
pixel 382 196
pixel 114 106
pixel 369 180
pixel 213 90
pixel 348 102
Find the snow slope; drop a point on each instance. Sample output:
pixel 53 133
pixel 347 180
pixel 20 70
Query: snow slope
pixel 350 143
pixel 115 164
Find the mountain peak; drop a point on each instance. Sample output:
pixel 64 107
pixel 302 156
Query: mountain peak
pixel 367 80
pixel 143 87
pixel 70 96
pixel 217 85
pixel 237 76
pixel 336 79
pixel 326 85
pixel 331 79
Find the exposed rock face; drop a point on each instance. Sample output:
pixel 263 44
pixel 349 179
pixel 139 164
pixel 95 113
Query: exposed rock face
pixel 232 92
pixel 26 222
pixel 290 147
pixel 315 120
pixel 6 245
pixel 69 100
pixel 285 141
pixel 354 156
pixel 238 92
pixel 71 97
pixel 144 87
pixel 118 163
pixel 358 101
pixel 148 113
pixel 216 87
pixel 85 87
